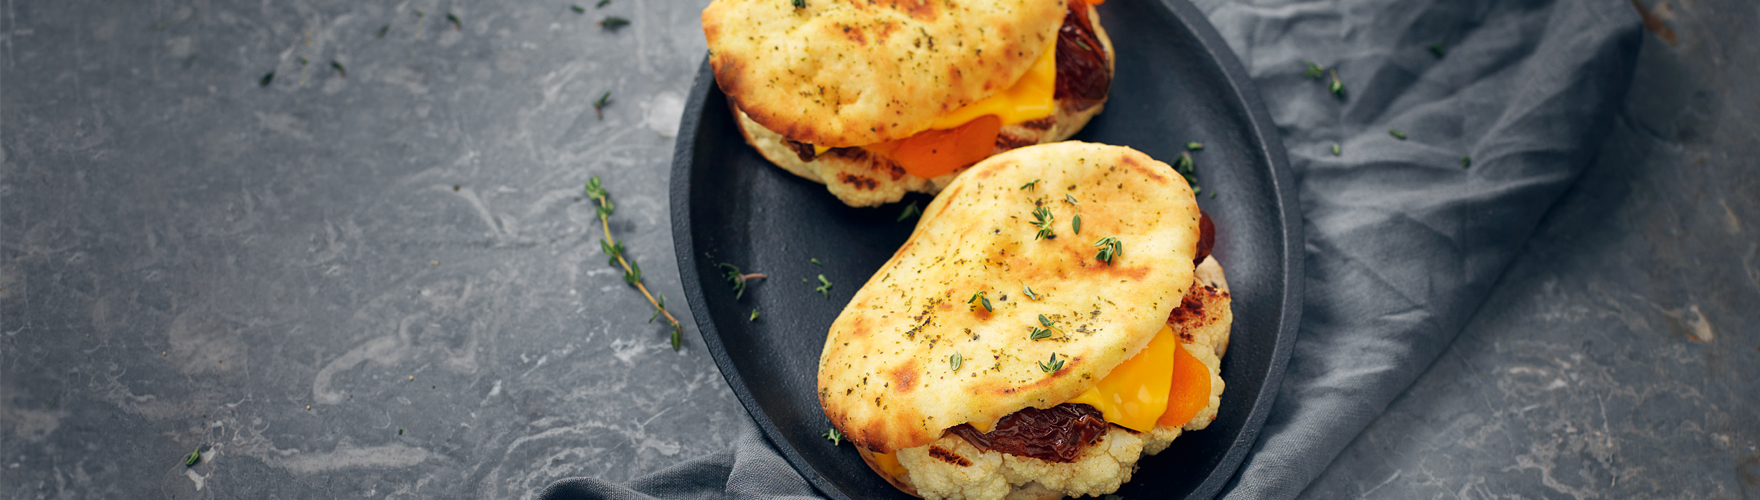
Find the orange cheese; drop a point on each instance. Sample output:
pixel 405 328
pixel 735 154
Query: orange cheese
pixel 888 463
pixel 1030 98
pixel 1135 394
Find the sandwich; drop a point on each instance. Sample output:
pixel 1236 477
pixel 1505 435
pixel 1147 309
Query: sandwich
pixel 877 98
pixel 1054 317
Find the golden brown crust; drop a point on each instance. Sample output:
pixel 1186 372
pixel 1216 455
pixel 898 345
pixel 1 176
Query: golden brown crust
pixel 860 179
pixel 851 72
pixel 885 377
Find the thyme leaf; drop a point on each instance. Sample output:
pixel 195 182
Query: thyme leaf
pixel 832 435
pixel 1194 146
pixel 1030 185
pixel 1029 292
pixel 1041 333
pixel 613 23
pixel 1043 218
pixel 981 299
pixel 1436 49
pixel 193 458
pixel 1071 199
pixel 1335 151
pixel 1075 223
pixel 267 78
pixel 339 69
pixel 1466 161
pixel 824 287
pixel 910 210
pixel 800 4
pixel 754 316
pixel 577 9
pixel 1337 87
pixel 1314 71
pixel 602 4
pixel 954 361
pixel 600 104
pixel 1396 134
pixel 1051 365
pixel 383 30
pixel 457 25
pixel 1109 247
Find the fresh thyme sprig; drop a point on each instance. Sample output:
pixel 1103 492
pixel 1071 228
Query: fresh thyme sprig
pixel 981 299
pixel 736 279
pixel 1053 365
pixel 1109 247
pixel 834 436
pixel 1042 218
pixel 631 273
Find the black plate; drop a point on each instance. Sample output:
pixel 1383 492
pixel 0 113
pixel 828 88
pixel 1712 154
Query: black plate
pixel 1176 82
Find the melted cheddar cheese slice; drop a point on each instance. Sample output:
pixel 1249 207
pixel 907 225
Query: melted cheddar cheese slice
pixel 1135 394
pixel 1030 98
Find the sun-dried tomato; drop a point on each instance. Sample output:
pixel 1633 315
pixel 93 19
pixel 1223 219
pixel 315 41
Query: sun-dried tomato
pixel 1082 77
pixel 1055 434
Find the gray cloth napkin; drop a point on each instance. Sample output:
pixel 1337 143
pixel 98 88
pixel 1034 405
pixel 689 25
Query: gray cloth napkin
pixel 1404 239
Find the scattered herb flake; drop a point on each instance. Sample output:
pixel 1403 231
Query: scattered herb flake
pixel 1029 292
pixel 339 69
pixel 1051 365
pixel 1335 150
pixel 910 210
pixel 383 30
pixel 577 9
pixel 1030 185
pixel 303 61
pixel 457 25
pixel 824 287
pixel 613 23
pixel 1436 49
pixel 954 361
pixel 1109 247
pixel 632 273
pixel 600 104
pixel 1043 218
pixel 754 315
pixel 1194 146
pixel 1466 161
pixel 832 435
pixel 193 458
pixel 1314 71
pixel 267 78
pixel 1396 134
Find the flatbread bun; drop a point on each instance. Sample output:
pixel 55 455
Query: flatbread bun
pixel 885 376
pixel 861 179
pixel 852 72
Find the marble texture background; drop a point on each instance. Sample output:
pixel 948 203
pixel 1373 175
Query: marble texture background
pixel 189 260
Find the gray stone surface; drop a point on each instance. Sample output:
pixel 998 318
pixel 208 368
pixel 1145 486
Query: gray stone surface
pixel 189 259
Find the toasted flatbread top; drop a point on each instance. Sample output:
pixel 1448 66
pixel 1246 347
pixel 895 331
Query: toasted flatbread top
pixel 840 73
pixel 886 378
